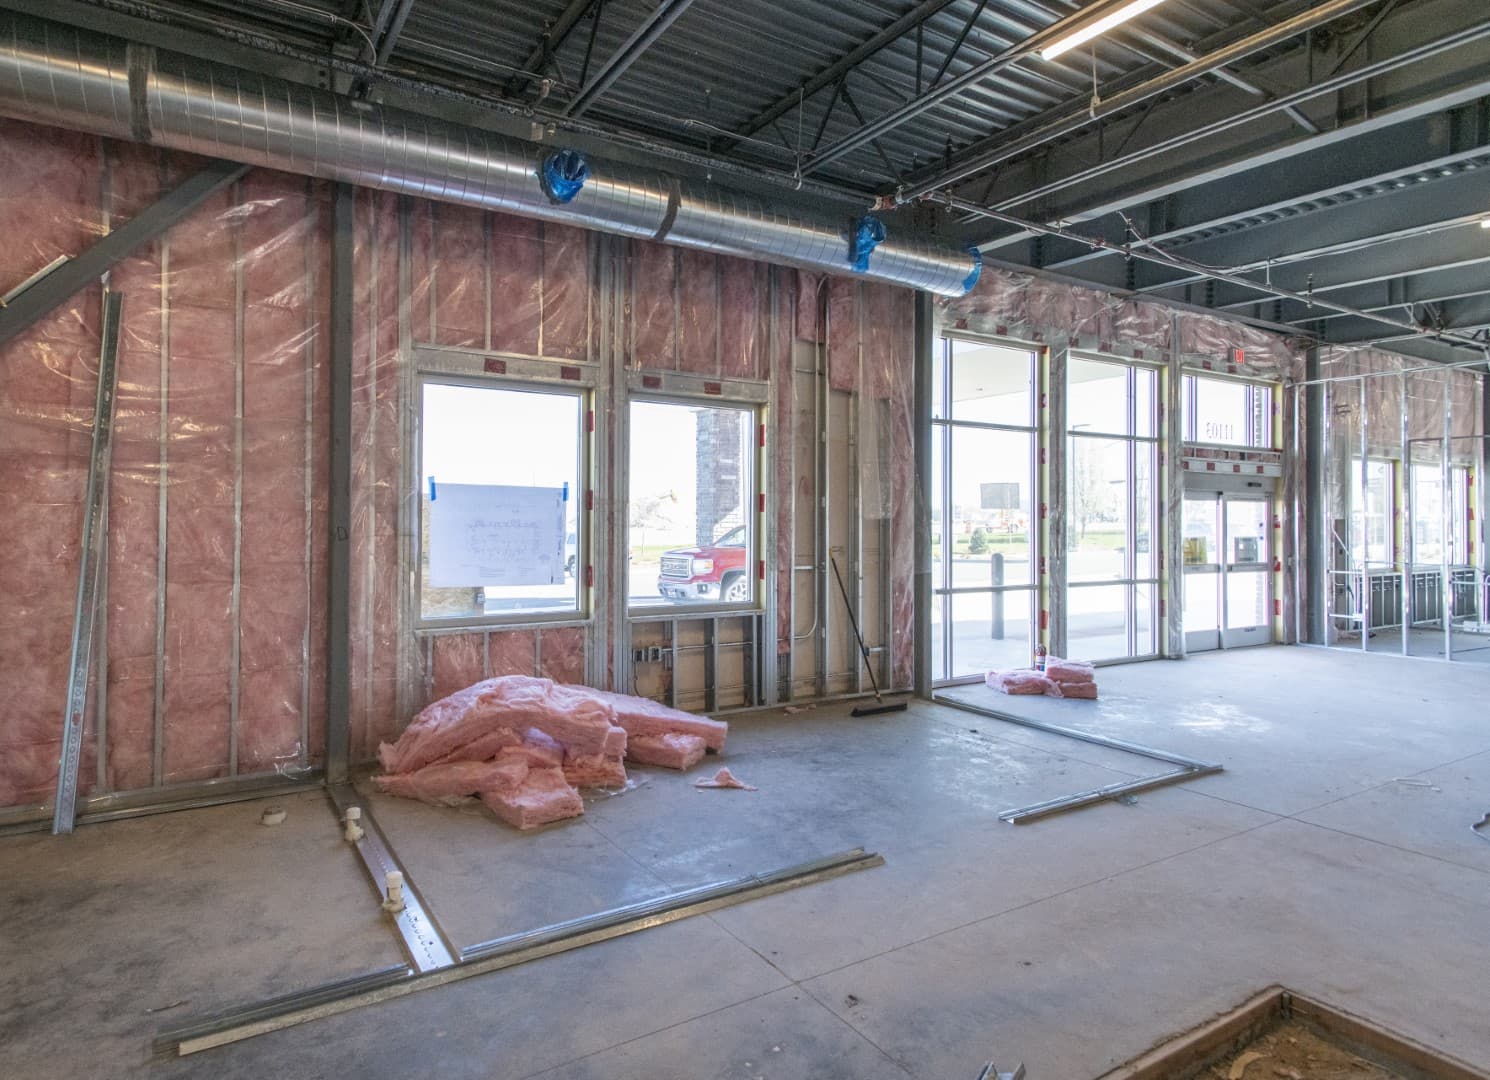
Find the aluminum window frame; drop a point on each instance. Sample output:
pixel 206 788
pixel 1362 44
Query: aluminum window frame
pixel 1155 442
pixel 532 379
pixel 1262 398
pixel 941 433
pixel 756 512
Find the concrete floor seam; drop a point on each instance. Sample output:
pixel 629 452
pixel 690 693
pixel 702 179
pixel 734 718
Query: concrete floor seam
pixel 1043 899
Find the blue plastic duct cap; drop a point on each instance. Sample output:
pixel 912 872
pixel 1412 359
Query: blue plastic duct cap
pixel 868 234
pixel 562 175
pixel 975 273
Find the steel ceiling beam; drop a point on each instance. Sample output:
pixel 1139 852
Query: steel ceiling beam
pixel 1432 75
pixel 1423 268
pixel 631 50
pixel 1347 229
pixel 1081 114
pixel 1443 140
pixel 1460 316
pixel 829 75
pixel 387 29
pixel 552 41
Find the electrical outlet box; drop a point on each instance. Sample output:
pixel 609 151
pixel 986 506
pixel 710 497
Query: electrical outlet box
pixel 639 655
pixel 654 654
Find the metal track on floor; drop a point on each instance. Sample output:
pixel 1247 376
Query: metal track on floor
pixel 1189 768
pixel 495 955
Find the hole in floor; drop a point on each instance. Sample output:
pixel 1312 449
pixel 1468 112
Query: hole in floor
pixel 1281 1034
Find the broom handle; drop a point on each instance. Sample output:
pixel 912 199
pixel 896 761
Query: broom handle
pixel 855 624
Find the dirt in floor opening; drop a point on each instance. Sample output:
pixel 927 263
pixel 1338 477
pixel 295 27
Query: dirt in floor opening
pixel 1294 1052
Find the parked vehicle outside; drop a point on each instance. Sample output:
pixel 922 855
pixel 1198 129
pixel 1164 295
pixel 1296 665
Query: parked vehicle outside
pixel 714 571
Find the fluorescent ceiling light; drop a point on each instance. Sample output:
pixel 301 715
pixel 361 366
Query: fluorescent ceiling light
pixel 1110 15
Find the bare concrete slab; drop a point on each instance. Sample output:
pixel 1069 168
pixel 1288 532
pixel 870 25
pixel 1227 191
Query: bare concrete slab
pixel 1072 944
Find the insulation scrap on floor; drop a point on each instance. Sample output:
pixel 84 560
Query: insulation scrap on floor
pixel 724 779
pixel 1061 679
pixel 523 745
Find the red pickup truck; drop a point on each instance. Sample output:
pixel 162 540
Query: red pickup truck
pixel 715 571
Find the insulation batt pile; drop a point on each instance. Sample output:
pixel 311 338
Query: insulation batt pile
pixel 524 746
pixel 1061 678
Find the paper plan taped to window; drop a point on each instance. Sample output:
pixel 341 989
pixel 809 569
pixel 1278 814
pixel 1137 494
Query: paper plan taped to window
pixel 492 534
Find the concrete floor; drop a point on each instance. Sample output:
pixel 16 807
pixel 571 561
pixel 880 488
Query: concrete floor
pixel 1070 944
pixel 1425 642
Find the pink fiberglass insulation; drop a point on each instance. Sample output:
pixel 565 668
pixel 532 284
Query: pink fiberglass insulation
pixel 537 749
pixel 452 783
pixel 724 779
pixel 1081 690
pixel 483 747
pixel 654 273
pixel 562 652
pixel 542 797
pixel 1023 681
pixel 669 750
pixel 211 597
pixel 1064 671
pixel 642 716
pixel 594 770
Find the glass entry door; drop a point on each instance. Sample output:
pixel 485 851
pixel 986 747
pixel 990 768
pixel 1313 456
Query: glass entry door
pixel 1227 561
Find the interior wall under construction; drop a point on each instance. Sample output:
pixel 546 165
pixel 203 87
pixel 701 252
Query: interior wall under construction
pixel 212 665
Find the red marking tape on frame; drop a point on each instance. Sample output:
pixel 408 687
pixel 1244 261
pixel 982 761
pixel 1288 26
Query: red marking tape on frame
pixel 493 366
pixel 713 388
pixel 651 382
pixel 570 373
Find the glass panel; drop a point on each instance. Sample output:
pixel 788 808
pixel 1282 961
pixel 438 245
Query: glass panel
pixel 1459 480
pixel 992 384
pixel 1202 602
pixel 1246 531
pixel 1097 396
pixel 1097 622
pixel 1145 620
pixel 991 631
pixel 938 519
pixel 1145 473
pixel 992 493
pixel 691 529
pixel 1097 509
pixel 496 454
pixel 1246 599
pixel 1371 517
pixel 1145 402
pixel 1427 514
pixel 1222 412
pixel 1199 545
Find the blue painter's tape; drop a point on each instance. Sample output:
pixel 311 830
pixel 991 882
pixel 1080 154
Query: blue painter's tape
pixel 563 174
pixel 975 273
pixel 868 234
pixel 566 490
pixel 431 489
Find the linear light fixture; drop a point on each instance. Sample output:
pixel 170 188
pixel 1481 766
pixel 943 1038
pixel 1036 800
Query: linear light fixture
pixel 1102 18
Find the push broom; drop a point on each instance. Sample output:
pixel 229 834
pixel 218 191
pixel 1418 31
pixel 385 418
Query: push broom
pixel 879 705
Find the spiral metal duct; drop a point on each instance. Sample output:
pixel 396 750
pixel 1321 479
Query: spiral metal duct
pixel 59 75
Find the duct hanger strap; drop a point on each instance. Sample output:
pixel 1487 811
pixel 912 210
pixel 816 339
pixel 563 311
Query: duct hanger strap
pixel 563 174
pixel 674 200
pixel 139 60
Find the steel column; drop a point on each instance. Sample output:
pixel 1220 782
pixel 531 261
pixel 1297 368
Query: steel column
pixel 1316 573
pixel 925 344
pixel 339 581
